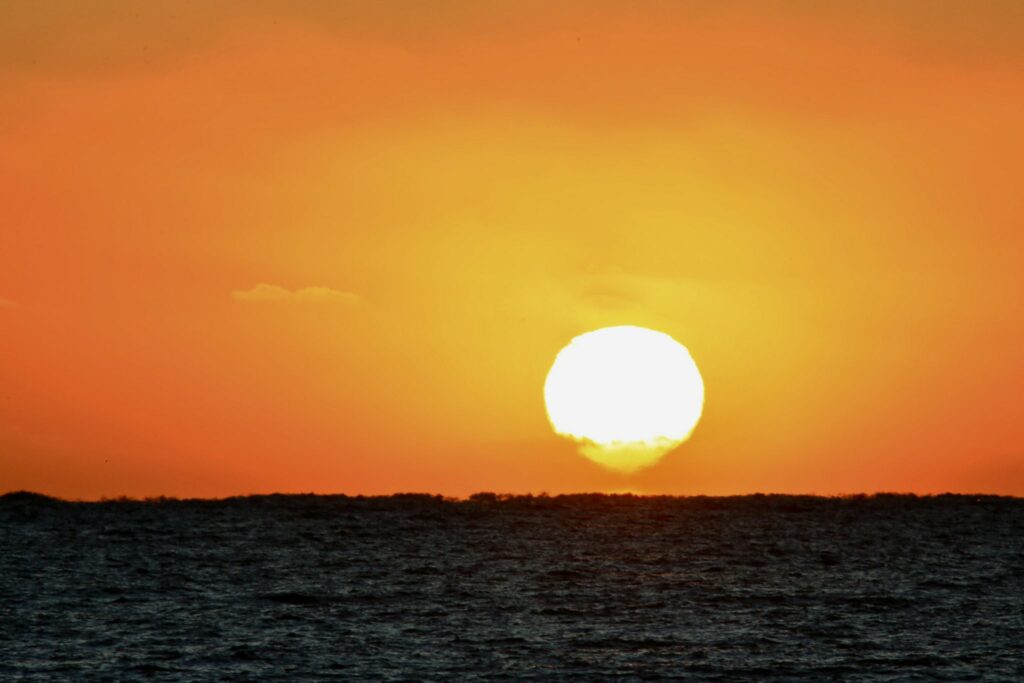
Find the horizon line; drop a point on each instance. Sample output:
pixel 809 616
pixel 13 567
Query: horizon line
pixel 495 497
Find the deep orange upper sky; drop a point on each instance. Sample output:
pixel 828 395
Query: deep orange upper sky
pixel 328 246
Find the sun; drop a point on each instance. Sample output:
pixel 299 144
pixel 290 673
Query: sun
pixel 628 395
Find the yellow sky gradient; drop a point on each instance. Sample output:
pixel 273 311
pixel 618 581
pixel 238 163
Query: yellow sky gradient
pixel 328 246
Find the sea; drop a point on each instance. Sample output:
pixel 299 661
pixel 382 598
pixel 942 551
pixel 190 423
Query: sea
pixel 588 587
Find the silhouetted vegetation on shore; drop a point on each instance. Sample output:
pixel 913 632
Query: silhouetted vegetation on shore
pixel 779 501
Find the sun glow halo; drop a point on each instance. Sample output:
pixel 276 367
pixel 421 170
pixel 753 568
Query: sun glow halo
pixel 626 394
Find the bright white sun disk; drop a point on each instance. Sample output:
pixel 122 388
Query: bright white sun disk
pixel 627 394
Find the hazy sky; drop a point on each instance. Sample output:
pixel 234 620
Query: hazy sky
pixel 327 246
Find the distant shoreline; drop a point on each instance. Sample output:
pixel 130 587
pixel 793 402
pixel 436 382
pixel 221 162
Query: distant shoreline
pixel 489 498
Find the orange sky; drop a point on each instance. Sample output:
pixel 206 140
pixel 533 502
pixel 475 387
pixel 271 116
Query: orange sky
pixel 822 203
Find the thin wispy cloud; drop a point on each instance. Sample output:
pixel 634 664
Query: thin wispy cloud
pixel 266 293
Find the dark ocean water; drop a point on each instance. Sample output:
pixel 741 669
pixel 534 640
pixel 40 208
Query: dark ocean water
pixel 594 587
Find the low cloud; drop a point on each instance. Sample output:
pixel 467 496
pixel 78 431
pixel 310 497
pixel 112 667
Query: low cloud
pixel 628 456
pixel 274 294
pixel 6 303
